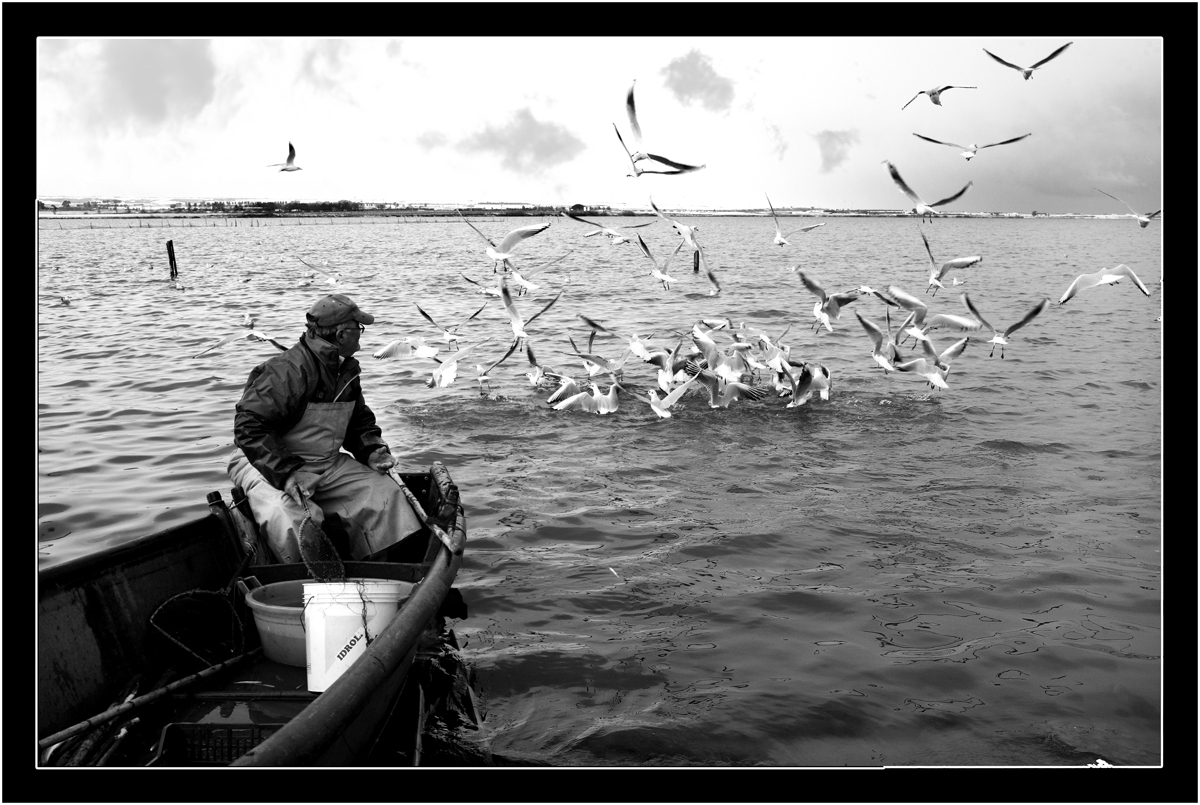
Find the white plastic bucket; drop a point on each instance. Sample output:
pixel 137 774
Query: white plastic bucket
pixel 340 618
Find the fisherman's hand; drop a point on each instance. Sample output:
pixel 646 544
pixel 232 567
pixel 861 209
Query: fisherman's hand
pixel 381 460
pixel 300 485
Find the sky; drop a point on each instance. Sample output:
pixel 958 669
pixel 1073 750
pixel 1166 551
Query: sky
pixel 804 121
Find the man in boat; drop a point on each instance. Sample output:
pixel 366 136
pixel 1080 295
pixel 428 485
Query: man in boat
pixel 298 411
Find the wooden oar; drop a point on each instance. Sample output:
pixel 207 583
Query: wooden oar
pixel 454 544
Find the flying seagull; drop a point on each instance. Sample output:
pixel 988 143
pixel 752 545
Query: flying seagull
pixel 936 272
pixel 1027 71
pixel 968 151
pixel 1000 339
pixel 1143 220
pixel 613 235
pixel 639 156
pixel 780 238
pixel 501 253
pixel 1105 276
pixel 934 94
pixel 291 160
pixel 921 208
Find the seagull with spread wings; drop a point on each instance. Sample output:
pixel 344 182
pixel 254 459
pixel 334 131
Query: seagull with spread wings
pixel 1027 72
pixel 614 236
pixel 639 156
pixel 290 165
pixel 244 335
pixel 1143 219
pixel 1105 276
pixel 968 151
pixel 500 253
pixel 934 94
pixel 780 238
pixel 1001 339
pixel 921 208
pixel 936 272
pixel 450 333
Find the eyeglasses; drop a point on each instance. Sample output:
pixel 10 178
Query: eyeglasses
pixel 361 328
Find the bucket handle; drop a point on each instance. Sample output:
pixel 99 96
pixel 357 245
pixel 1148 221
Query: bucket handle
pixel 248 583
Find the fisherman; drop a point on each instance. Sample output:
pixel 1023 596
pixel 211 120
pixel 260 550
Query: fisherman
pixel 298 411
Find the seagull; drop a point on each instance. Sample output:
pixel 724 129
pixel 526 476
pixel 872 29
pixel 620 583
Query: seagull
pixel 936 272
pixel 663 407
pixel 679 167
pixel 1105 276
pixel 501 253
pixel 811 377
pixel 934 94
pixel 514 318
pixel 721 393
pixel 1143 220
pixel 594 364
pixel 635 158
pixel 727 367
pixel 688 233
pixel 290 164
pixel 247 320
pixel 483 289
pixel 586 400
pixel 1027 72
pixel 943 358
pixel 482 374
pixel 659 272
pixel 780 238
pixel 829 305
pixel 926 368
pixel 525 285
pixel 968 151
pixel 539 374
pixel 447 369
pixel 885 351
pixel 999 339
pixel 670 365
pixel 406 347
pixel 614 236
pixel 451 333
pixel 248 335
pixel 921 208
pixel 920 320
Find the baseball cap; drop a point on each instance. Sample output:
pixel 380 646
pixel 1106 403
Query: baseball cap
pixel 335 309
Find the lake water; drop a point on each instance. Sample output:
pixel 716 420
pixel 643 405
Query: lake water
pixel 969 577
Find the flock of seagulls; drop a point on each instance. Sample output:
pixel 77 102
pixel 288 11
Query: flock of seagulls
pixel 731 362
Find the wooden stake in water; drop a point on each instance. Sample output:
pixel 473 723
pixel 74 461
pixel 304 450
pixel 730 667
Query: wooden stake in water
pixel 171 258
pixel 695 262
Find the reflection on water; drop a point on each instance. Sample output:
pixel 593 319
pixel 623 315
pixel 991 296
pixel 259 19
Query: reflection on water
pixel 890 576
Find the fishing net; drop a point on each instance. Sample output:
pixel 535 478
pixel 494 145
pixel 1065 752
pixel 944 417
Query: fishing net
pixel 318 551
pixel 201 623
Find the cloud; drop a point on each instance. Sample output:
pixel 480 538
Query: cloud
pixel 778 145
pixel 692 78
pixel 322 63
pixel 148 82
pixel 835 147
pixel 526 145
pixel 430 140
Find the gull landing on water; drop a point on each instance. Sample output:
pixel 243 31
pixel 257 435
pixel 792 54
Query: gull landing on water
pixel 659 272
pixel 290 165
pixel 968 151
pixel 934 94
pixel 921 208
pixel 1000 339
pixel 1143 220
pixel 780 238
pixel 936 272
pixel 1105 276
pixel 1027 72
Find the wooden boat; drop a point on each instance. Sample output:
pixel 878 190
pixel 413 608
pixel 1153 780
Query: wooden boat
pixel 106 675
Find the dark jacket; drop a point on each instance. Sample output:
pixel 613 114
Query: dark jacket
pixel 276 395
